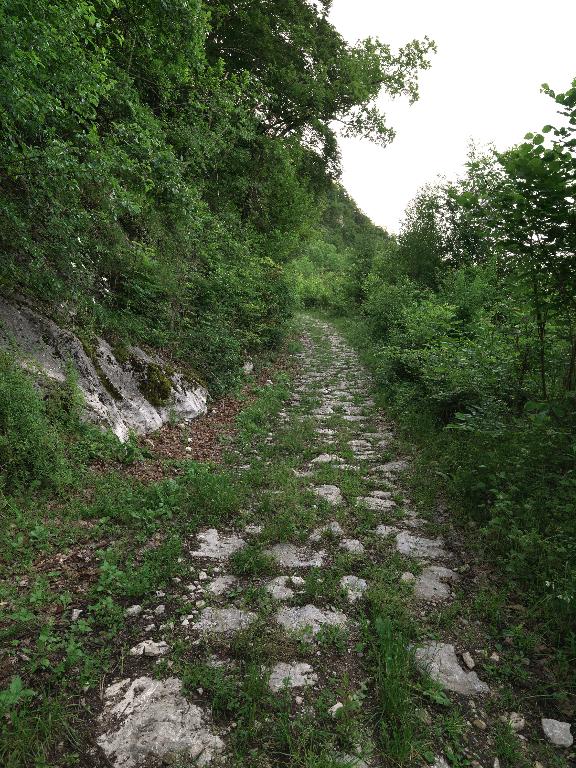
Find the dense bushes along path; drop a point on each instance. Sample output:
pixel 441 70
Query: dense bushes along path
pixel 326 622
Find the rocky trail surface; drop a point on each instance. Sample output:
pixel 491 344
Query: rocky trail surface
pixel 308 633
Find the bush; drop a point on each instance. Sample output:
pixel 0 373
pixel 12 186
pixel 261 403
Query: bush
pixel 31 450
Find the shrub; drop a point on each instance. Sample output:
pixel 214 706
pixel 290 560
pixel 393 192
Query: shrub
pixel 31 450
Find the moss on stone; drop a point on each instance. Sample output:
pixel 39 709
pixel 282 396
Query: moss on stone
pixel 156 385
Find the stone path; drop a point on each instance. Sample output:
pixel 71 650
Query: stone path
pixel 345 515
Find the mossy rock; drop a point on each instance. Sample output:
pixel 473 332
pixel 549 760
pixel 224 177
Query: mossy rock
pixel 156 386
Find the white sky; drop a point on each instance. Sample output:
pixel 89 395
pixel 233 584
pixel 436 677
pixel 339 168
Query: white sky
pixel 484 85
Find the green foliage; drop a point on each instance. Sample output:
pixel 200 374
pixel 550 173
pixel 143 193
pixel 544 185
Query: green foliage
pixel 468 321
pixel 160 164
pixel 31 453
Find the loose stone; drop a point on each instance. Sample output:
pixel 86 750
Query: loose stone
pixel 440 662
pixel 557 732
pixel 132 611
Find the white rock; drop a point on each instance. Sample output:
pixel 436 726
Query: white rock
pixel 145 719
pixel 376 504
pixel 440 662
pixel 278 590
pixel 202 576
pixel 252 529
pixel 517 722
pixel 159 610
pixel 327 458
pixel 354 587
pixel 42 345
pixel 407 577
pixel 330 493
pixel 333 528
pixel 289 556
pixel 468 660
pixel 433 583
pixel 419 546
pixel 336 708
pixel 557 732
pixel 133 610
pixel 221 584
pixel 149 648
pixel 223 620
pixel 297 581
pixel 294 675
pixel 76 613
pixel 309 618
pixel 387 530
pixel 381 494
pixel 214 546
pixel 354 546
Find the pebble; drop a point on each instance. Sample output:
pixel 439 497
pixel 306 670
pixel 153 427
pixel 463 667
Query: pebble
pixel 335 709
pixel 159 610
pixel 479 724
pixel 557 732
pixel 133 610
pixel 76 614
pixel 468 660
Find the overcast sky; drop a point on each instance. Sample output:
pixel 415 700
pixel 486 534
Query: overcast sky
pixel 484 85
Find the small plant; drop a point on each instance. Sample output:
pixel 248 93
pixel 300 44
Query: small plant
pixel 251 560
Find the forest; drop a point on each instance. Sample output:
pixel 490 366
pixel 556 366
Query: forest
pixel 170 178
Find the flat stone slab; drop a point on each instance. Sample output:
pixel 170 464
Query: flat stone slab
pixel 439 660
pixel 354 546
pixel 376 504
pixel 221 621
pixel 290 556
pixel 327 458
pixel 360 445
pixel 221 584
pixel 293 675
pixel 419 546
pixel 391 467
pixel 330 493
pixel 332 528
pixel 354 587
pixel 145 719
pixel 381 494
pixel 216 546
pixel 557 733
pixel 387 530
pixel 309 617
pixel 433 583
pixel 278 588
